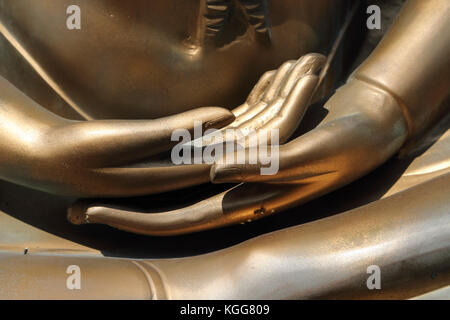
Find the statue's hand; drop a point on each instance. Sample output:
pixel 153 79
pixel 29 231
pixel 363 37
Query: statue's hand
pixel 118 158
pixel 38 149
pixel 364 127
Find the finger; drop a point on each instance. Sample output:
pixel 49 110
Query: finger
pixel 274 88
pixel 255 95
pixel 291 113
pixel 258 117
pixel 308 64
pixel 260 87
pixel 245 111
pixel 240 110
pixel 115 142
pixel 249 114
pixel 283 115
pixel 251 107
pixel 252 118
pixel 241 204
pixel 362 130
pixel 255 103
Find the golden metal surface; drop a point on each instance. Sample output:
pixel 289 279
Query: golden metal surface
pixel 135 59
pixel 154 66
pixel 406 235
pixel 62 156
pixel 365 125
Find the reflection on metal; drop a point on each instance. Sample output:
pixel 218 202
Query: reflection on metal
pixel 438 294
pixel 157 74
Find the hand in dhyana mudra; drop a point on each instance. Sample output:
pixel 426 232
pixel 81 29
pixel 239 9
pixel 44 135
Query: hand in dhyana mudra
pixel 363 128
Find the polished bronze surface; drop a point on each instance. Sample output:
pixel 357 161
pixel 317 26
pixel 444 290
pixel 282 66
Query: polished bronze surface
pixel 61 156
pixel 134 59
pixel 406 235
pixel 365 125
pixel 158 66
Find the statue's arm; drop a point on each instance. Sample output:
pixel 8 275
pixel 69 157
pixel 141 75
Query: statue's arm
pixel 405 235
pixel 390 99
pixel 41 150
pixel 112 158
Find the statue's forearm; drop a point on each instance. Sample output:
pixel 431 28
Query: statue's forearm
pixel 405 235
pixel 412 61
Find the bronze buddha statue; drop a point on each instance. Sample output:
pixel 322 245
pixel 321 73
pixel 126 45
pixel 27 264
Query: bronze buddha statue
pixel 89 114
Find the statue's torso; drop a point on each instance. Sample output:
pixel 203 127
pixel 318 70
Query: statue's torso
pixel 146 59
